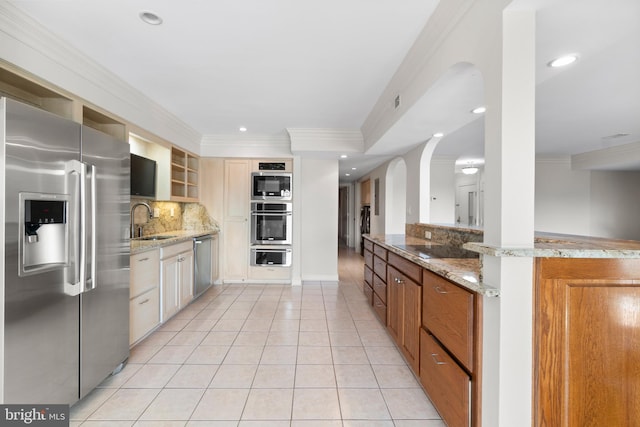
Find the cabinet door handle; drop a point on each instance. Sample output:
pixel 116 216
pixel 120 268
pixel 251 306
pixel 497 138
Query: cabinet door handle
pixel 440 290
pixel 434 356
pixel 143 259
pixel 143 302
pixel 398 281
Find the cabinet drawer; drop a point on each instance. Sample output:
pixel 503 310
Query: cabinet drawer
pixel 380 267
pixel 144 272
pixel 380 308
pixel 368 275
pixel 144 312
pixel 368 259
pixel 368 245
pixel 171 250
pixel 447 312
pixel 446 383
pixel 380 288
pixel 380 251
pixel 409 269
pixel 368 293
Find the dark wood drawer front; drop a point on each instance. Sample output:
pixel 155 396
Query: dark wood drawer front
pixel 380 251
pixel 380 288
pixel 368 259
pixel 409 269
pixel 368 275
pixel 380 267
pixel 368 292
pixel 446 383
pixel 447 312
pixel 380 308
pixel 368 245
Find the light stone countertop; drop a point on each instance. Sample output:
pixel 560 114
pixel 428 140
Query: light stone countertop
pixel 465 272
pixel 179 236
pixel 548 245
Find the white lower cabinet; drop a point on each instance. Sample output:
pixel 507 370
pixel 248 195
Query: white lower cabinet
pixel 176 265
pixel 144 293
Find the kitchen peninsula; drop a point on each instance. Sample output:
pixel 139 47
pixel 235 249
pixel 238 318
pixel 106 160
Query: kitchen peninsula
pixel 429 294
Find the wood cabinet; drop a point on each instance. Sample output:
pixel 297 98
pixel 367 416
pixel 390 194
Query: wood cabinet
pixel 235 236
pixel 375 282
pixel 449 359
pixel 176 265
pixel 144 291
pixel 446 383
pixel 184 176
pixel 365 192
pixel 447 313
pixel 404 300
pixel 587 342
pixel 436 324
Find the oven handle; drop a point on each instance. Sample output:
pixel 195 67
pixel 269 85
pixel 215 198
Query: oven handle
pixel 271 250
pixel 271 213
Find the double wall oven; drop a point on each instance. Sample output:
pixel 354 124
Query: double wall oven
pixel 271 218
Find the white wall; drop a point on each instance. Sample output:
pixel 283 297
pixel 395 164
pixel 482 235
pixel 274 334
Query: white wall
pixel 615 204
pixel 588 203
pixel 377 225
pixel 396 197
pixel 562 197
pixel 318 219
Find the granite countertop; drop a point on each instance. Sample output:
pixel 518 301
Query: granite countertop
pixel 177 236
pixel 448 261
pixel 549 245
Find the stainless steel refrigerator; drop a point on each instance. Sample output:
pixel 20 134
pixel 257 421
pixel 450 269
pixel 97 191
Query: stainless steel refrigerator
pixel 65 260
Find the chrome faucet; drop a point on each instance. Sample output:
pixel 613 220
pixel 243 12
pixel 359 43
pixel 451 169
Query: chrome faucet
pixel 133 209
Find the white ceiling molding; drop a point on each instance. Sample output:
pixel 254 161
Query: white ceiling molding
pixel 233 145
pixel 624 157
pixel 26 44
pixel 327 141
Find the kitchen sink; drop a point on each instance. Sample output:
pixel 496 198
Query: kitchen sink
pixel 155 238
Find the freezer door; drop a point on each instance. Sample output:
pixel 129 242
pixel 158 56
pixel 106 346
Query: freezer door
pixel 40 321
pixel 104 323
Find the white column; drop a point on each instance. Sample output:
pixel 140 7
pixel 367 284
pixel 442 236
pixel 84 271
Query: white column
pixel 509 222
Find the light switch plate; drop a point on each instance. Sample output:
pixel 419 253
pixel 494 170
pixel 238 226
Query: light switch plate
pixel 156 212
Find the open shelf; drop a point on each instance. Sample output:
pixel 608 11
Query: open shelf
pixel 184 176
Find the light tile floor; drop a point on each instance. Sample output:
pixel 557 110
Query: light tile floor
pixel 269 356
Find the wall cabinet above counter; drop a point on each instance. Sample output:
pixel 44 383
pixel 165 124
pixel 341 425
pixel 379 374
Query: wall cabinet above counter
pixel 177 177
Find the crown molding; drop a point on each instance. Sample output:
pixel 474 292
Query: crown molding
pixel 234 145
pixel 314 140
pixel 28 45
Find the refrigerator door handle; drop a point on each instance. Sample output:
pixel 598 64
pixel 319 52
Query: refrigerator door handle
pixel 91 281
pixel 77 233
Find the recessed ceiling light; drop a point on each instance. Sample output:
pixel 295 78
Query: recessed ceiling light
pixel 479 110
pixel 563 61
pixel 353 169
pixel 150 18
pixel 344 156
pixel 438 135
pixel 242 129
pixel 347 174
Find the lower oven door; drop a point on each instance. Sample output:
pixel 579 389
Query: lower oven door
pixel 271 256
pixel 271 228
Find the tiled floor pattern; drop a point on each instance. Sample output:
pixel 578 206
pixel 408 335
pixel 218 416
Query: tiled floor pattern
pixel 268 356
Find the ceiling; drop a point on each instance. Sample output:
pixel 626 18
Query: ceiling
pixel 277 64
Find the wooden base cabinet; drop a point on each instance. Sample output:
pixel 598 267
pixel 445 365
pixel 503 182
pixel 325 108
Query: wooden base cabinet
pixel 404 299
pixel 446 383
pixel 587 342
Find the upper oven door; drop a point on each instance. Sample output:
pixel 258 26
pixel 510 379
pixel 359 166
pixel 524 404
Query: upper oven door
pixel 271 223
pixel 270 186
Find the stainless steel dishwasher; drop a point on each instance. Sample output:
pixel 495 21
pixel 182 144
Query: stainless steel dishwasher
pixel 202 260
